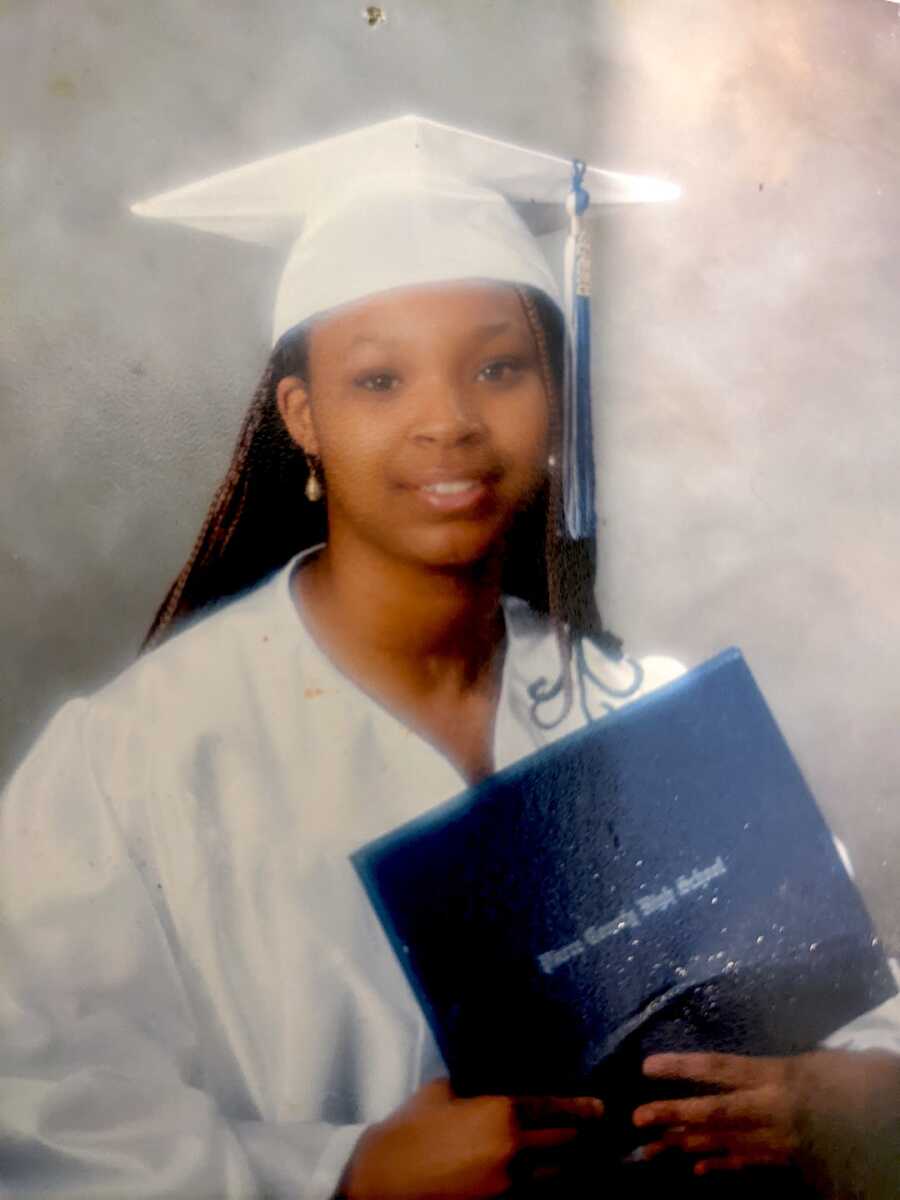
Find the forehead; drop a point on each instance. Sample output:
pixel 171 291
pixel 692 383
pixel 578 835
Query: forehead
pixel 431 310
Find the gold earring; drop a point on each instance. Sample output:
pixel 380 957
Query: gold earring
pixel 313 489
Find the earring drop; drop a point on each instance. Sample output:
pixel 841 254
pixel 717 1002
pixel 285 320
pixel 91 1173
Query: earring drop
pixel 551 461
pixel 313 489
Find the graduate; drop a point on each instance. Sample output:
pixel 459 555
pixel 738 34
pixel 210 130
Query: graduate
pixel 391 597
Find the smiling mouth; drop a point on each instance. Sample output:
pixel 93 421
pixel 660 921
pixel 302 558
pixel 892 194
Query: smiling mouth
pixel 451 496
pixel 453 487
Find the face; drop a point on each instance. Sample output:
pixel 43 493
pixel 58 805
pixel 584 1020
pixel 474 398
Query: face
pixel 428 410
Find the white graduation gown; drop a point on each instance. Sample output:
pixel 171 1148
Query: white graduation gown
pixel 197 999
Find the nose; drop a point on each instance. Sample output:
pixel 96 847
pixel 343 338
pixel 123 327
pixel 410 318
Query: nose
pixel 447 416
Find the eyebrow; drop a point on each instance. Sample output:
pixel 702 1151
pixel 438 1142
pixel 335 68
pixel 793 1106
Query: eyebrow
pixel 484 332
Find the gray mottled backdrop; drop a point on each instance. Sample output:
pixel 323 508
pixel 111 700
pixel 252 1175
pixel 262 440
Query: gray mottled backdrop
pixel 748 355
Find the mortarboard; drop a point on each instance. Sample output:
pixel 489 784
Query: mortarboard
pixel 411 201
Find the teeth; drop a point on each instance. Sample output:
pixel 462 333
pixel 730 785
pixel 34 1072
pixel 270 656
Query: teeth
pixel 450 488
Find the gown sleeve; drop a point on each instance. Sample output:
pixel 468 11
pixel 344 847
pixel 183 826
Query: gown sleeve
pixel 101 1084
pixel 878 1029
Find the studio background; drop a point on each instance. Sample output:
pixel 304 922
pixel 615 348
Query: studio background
pixel 747 352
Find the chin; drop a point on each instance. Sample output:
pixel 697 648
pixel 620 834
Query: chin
pixel 457 549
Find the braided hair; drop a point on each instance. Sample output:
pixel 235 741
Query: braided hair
pixel 246 536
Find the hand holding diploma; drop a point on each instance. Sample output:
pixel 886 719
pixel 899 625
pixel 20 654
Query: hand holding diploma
pixel 439 1145
pixel 834 1113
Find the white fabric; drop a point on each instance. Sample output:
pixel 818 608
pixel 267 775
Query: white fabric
pixel 394 236
pixel 403 202
pixel 197 999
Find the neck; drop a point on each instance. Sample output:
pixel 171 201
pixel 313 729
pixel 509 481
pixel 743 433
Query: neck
pixel 426 624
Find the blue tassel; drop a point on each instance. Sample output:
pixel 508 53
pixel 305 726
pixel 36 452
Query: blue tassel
pixel 578 433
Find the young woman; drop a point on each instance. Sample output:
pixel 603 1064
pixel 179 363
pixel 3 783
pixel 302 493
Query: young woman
pixel 199 1000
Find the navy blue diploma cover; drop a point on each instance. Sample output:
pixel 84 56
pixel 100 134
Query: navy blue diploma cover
pixel 660 880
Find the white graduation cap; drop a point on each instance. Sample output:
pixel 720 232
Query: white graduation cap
pixel 405 202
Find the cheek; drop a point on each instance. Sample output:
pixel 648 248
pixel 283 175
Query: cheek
pixel 524 431
pixel 353 450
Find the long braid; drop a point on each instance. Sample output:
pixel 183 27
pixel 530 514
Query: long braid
pixel 570 565
pixel 553 526
pixel 217 528
pixel 244 535
pixel 554 492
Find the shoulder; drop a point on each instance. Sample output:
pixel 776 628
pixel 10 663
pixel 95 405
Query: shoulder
pixel 199 688
pixel 228 645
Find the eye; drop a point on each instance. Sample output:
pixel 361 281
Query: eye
pixel 377 381
pixel 501 370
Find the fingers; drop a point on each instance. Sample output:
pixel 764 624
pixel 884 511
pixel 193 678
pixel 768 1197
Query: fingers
pixel 556 1112
pixel 726 1070
pixel 706 1166
pixel 650 1150
pixel 722 1141
pixel 736 1110
pixel 542 1156
pixel 723 1149
pixel 531 1112
pixel 738 1162
pixel 546 1139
